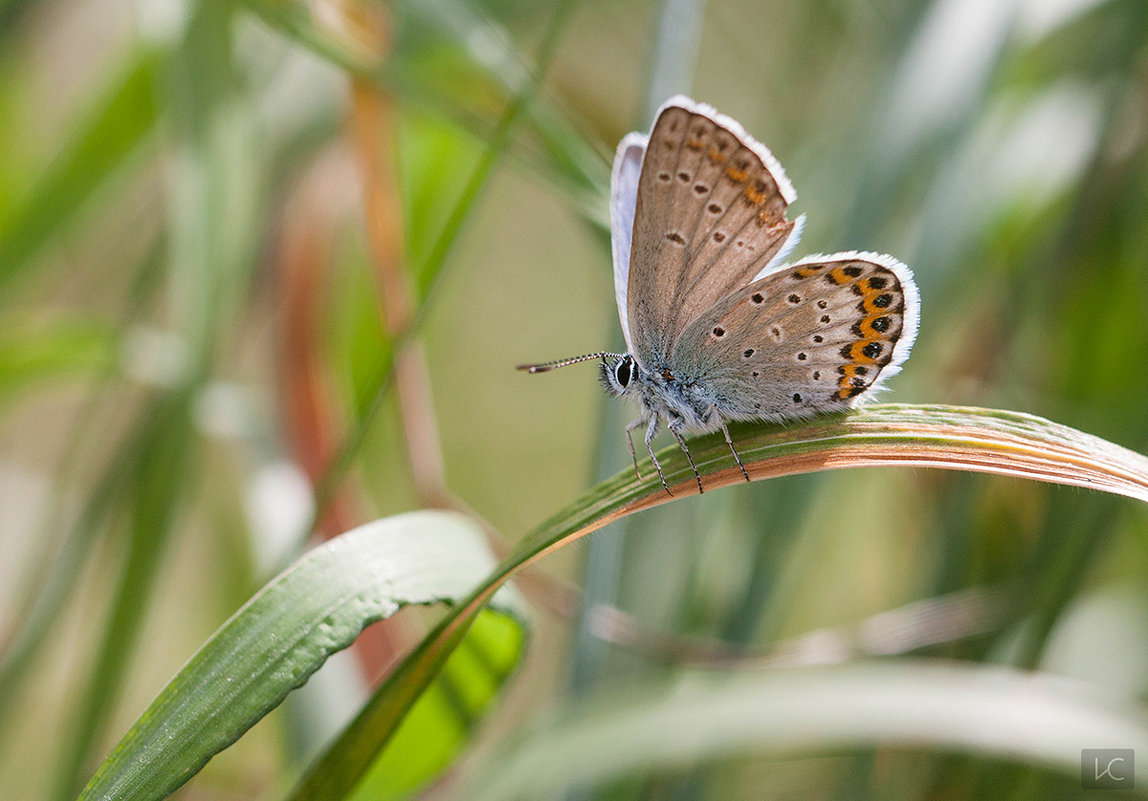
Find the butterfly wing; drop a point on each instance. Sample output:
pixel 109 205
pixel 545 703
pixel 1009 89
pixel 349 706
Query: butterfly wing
pixel 623 199
pixel 818 335
pixel 710 215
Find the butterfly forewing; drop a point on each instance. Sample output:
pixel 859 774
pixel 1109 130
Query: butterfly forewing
pixel 818 335
pixel 710 214
pixel 623 200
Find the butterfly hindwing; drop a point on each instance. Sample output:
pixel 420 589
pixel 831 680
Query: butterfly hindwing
pixel 710 215
pixel 818 335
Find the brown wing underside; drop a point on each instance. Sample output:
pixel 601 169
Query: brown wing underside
pixel 709 217
pixel 811 337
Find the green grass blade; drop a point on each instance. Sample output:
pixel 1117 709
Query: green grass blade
pixel 213 211
pixel 339 771
pixel 430 272
pixel 117 123
pixel 283 635
pixel 442 720
pixel 159 478
pixel 465 93
pixel 30 355
pixel 998 712
pixel 982 440
pixel 67 546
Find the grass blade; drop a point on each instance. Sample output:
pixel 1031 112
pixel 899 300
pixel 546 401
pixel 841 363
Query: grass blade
pixel 32 355
pixel 118 123
pixel 283 635
pixel 957 438
pixel 948 437
pixel 973 709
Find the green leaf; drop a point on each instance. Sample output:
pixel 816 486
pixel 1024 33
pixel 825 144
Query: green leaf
pixel 116 124
pixel 66 347
pixel 982 440
pixel 284 634
pixel 160 474
pixel 441 721
pixel 431 270
pixel 434 71
pixel 998 712
pixel 434 155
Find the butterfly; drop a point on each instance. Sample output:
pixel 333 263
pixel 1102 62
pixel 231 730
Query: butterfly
pixel 717 328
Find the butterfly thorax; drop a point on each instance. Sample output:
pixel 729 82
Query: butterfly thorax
pixel 660 392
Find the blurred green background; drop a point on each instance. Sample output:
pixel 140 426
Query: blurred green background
pixel 206 208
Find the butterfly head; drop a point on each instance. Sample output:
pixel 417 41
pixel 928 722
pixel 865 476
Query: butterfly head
pixel 618 374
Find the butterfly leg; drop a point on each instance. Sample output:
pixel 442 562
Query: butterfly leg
pixel 675 429
pixel 630 441
pixel 728 441
pixel 651 430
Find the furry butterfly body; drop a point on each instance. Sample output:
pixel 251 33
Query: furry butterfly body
pixel 717 329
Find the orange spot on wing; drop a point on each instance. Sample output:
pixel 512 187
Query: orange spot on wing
pixel 870 305
pixel 693 143
pixel 753 196
pixel 856 352
pixel 846 389
pixel 838 275
pixel 890 328
pixel 716 156
pixel 737 176
pixel 875 304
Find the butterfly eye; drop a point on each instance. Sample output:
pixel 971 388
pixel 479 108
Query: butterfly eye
pixel 622 372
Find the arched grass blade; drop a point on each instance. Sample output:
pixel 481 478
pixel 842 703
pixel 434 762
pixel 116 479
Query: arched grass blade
pixel 957 438
pixel 889 435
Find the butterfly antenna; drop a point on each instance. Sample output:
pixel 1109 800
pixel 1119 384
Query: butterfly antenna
pixel 547 366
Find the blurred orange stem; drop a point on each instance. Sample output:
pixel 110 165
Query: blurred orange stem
pixel 373 127
pixel 304 254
